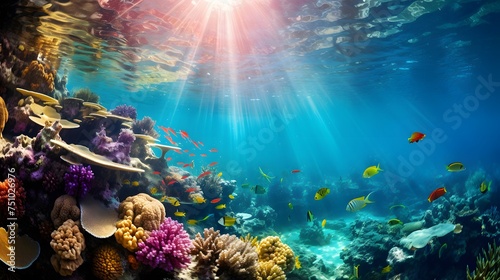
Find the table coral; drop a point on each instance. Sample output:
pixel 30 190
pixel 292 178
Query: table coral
pixel 145 211
pixel 272 249
pixel 238 259
pixel 64 208
pixel 128 235
pixel 167 248
pixel 68 243
pixel 78 180
pixel 19 198
pixel 107 263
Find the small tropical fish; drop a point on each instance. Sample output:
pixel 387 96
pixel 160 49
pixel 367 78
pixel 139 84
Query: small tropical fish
pixel 227 221
pixel 192 155
pixel 213 164
pixel 163 198
pixel 215 200
pixel 484 187
pixel 267 177
pixel 358 203
pixel 386 269
pixel 191 189
pixel 281 180
pixel 231 196
pixel 295 171
pixel 321 193
pixel 219 174
pixel 206 173
pixel 169 158
pixel 415 137
pixel 184 134
pixel 126 182
pixel 186 151
pixel 397 205
pixel 297 263
pixel 220 206
pixel 310 216
pixel 156 172
pixel 174 201
pixel 171 182
pixel 178 151
pixel 455 167
pixel 171 131
pixel 393 222
pixel 191 164
pixel 245 185
pixel 206 217
pixel 290 205
pixel 153 190
pixel 195 144
pixel 201 143
pixel 323 223
pixel 371 171
pixel 203 155
pixel 437 193
pixel 356 271
pixel 180 214
pixel 164 129
pixel 192 222
pixel 171 140
pixel 213 150
pixel 258 189
pixel 199 199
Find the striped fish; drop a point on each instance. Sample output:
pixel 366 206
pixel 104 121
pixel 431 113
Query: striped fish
pixel 359 203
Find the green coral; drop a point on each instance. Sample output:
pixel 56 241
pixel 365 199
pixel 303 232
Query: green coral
pixel 87 95
pixel 487 267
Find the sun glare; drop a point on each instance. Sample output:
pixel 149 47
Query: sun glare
pixel 224 5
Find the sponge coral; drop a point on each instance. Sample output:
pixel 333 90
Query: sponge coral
pixel 107 263
pixel 144 210
pixel 272 249
pixel 118 151
pixel 167 248
pixel 68 243
pixel 78 180
pixel 487 267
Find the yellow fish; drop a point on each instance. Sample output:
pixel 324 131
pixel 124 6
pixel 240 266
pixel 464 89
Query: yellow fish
pixel 298 265
pixel 199 199
pixel 484 187
pixel 174 201
pixel 356 271
pixel 393 222
pixel 267 177
pixel 180 214
pixel 323 223
pixel 192 222
pixel 321 193
pixel 153 190
pixel 386 269
pixel 219 175
pixel 230 196
pixel 220 206
pixel 227 221
pixel 455 167
pixel 135 184
pixel 126 182
pixel 371 171
pixel 359 203
pixel 290 205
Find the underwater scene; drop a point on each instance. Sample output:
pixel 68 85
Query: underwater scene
pixel 250 139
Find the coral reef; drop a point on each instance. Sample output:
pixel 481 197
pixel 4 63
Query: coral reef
pixel 39 77
pixel 238 259
pixel 68 243
pixel 272 249
pixel 78 180
pixel 144 211
pixel 97 219
pixel 128 235
pixel 86 95
pixel 145 126
pixel 107 263
pixel 206 251
pixel 270 271
pixel 118 151
pixel 49 132
pixel 314 235
pixel 64 208
pixel 487 267
pixel 19 199
pixel 125 111
pixel 167 247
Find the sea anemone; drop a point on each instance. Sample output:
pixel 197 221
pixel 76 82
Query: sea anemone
pixel 87 95
pixel 125 111
pixel 145 126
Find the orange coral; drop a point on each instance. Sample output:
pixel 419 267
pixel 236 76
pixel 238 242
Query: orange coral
pixel 107 263
pixel 132 262
pixel 128 235
pixel 20 196
pixel 39 77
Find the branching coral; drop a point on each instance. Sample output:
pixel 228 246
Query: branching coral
pixel 17 195
pixel 487 267
pixel 107 263
pixel 206 251
pixel 39 77
pixel 238 259
pixel 128 235
pixel 167 247
pixel 125 111
pixel 272 249
pixel 145 126
pixel 68 243
pixel 144 210
pixel 78 180
pixel 64 208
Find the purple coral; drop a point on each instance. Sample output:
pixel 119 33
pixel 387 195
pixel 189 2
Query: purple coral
pixel 145 126
pixel 125 111
pixel 78 180
pixel 118 151
pixel 167 247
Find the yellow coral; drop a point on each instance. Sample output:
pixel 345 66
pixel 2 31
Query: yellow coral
pixel 128 235
pixel 107 263
pixel 254 240
pixel 144 211
pixel 272 249
pixel 270 271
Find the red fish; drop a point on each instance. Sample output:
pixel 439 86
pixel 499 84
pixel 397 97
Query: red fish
pixel 184 134
pixel 204 174
pixel 192 155
pixel 169 158
pixel 177 151
pixel 215 200
pixel 415 137
pixel 191 164
pixel 437 193
pixel 156 172
pixel 213 150
pixel 171 182
pixel 186 151
pixel 184 177
pixel 163 182
pixel 295 171
pixel 171 140
pixel 213 163
pixel 201 143
pixel 203 155
pixel 164 129
pixel 171 131
pixel 191 190
pixel 195 144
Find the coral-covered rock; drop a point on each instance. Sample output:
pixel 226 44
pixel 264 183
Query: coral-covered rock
pixel 206 251
pixel 272 249
pixel 64 208
pixel 49 132
pixel 167 248
pixel 107 263
pixel 118 151
pixel 68 243
pixel 145 211
pixel 78 180
pixel 314 235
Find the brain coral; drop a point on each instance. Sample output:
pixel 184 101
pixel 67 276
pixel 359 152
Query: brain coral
pixel 270 271
pixel 107 263
pixel 68 243
pixel 145 211
pixel 128 235
pixel 272 249
pixel 64 208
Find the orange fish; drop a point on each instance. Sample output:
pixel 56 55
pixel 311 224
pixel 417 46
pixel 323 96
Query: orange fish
pixel 213 150
pixel 156 172
pixel 171 131
pixel 192 155
pixel 437 193
pixel 171 182
pixel 213 163
pixel 204 174
pixel 169 158
pixel 201 143
pixel 171 140
pixel 186 151
pixel 203 155
pixel 295 171
pixel 184 134
pixel 164 129
pixel 184 177
pixel 177 151
pixel 191 164
pixel 191 190
pixel 195 144
pixel 215 200
pixel 415 137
